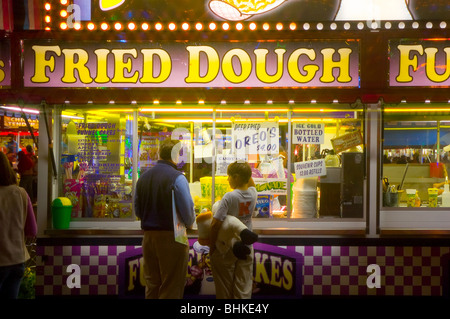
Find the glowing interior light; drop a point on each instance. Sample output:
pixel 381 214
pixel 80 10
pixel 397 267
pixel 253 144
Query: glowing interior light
pixel 63 26
pixel 443 25
pixel 155 101
pixel 104 26
pixel 201 102
pixel 158 26
pixel 239 26
pixel 247 102
pixel 48 6
pixel 415 25
pixel 225 26
pixel 333 26
pixel 293 26
pixel 64 2
pixel 91 26
pixel 306 26
pixel 47 29
pixel 313 101
pixel 429 25
pixel 401 25
pixel 178 102
pixel 266 26
pixel 223 102
pixel 319 26
pixel 131 26
pixel 360 26
pixel 172 26
pixel 198 26
pixel 212 26
pixel 252 26
pixel 427 101
pixel 63 13
pixel 185 26
pixel 77 26
pixel 279 26
pixel 47 19
pixel 346 25
pixel 145 26
pixel 118 26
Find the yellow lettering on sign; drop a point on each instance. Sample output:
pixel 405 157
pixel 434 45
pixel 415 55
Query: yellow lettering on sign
pixel 228 69
pixel 288 280
pixel 260 269
pixel 2 73
pixel 406 62
pixel 431 65
pixel 310 69
pixel 275 279
pixel 329 64
pixel 80 65
pixel 261 65
pixel 102 66
pixel 41 63
pixel 120 65
pixel 194 64
pixel 133 266
pixel 165 66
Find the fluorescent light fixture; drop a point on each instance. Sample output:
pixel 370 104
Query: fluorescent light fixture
pixel 18 109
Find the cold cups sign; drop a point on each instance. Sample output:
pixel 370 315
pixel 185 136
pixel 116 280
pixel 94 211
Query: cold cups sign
pixel 52 63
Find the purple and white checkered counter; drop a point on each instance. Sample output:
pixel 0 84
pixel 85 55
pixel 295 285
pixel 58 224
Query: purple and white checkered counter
pixel 325 270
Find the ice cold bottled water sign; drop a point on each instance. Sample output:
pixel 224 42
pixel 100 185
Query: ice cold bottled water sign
pixel 308 133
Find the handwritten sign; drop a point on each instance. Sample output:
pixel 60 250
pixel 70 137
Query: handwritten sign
pixel 308 133
pixel 310 168
pixel 255 138
pixel 346 141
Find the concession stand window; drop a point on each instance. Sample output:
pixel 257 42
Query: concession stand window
pixel 308 161
pixel 416 142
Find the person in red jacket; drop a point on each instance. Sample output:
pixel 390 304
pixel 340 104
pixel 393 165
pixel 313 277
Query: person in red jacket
pixel 25 168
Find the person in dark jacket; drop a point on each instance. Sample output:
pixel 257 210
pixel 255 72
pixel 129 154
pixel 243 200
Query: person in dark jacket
pixel 165 260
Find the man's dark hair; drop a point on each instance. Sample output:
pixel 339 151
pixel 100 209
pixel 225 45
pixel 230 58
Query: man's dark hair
pixel 165 149
pixel 240 171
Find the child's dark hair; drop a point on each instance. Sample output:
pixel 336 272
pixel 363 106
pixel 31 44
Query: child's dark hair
pixel 240 171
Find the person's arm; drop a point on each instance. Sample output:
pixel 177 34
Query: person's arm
pixel 137 208
pixel 30 228
pixel 183 201
pixel 215 226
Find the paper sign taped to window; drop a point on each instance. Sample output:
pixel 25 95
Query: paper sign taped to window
pixel 346 141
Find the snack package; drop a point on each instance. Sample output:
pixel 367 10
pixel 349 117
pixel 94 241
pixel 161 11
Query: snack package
pixel 263 206
pixel 99 206
pixel 72 190
pixel 125 208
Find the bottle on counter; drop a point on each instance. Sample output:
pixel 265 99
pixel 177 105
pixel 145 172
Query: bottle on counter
pixel 446 196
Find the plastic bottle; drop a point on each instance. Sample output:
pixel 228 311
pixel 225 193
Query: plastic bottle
pixel 446 196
